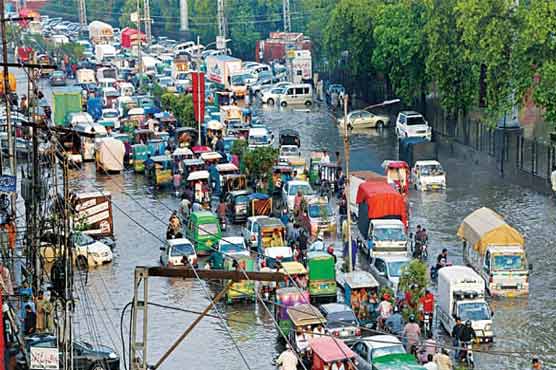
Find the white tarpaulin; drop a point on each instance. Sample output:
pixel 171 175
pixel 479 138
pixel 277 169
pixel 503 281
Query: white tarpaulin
pixel 110 154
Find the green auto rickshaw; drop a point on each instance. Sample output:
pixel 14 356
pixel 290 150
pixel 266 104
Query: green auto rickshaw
pixel 203 230
pixel 139 154
pixel 322 277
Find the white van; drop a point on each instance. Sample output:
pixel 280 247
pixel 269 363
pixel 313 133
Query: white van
pixel 297 94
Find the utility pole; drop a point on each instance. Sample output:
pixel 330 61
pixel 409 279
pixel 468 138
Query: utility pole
pixel 184 16
pixel 139 42
pixel 82 15
pixel 11 156
pixel 287 18
pixel 346 189
pixel 147 19
pixel 68 273
pixel 221 19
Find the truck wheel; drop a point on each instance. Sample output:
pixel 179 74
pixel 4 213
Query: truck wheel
pixel 270 101
pixel 283 104
pixel 308 103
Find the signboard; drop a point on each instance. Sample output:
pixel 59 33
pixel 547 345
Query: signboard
pixel 95 210
pixel 7 184
pixel 291 54
pixel 198 95
pixel 44 358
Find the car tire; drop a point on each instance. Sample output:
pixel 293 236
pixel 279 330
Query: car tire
pixel 98 366
pixel 82 263
pixel 283 104
pixel 308 103
pixel 379 125
pixel 270 101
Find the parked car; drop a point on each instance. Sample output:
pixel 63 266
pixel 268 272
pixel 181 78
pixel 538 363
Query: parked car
pixel 387 270
pixel 341 321
pixel 412 124
pixel 290 189
pixel 58 78
pixel 173 251
pixel 90 252
pixel 383 352
pixel 270 96
pixel 428 175
pixel 262 82
pixel 85 355
pixel 363 119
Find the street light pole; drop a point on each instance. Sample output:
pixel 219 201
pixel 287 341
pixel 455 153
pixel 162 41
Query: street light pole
pixel 346 189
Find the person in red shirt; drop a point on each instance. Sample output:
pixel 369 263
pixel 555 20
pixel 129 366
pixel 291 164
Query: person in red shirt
pixel 426 306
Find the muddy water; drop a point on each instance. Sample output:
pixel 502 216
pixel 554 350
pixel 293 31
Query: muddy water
pixel 523 325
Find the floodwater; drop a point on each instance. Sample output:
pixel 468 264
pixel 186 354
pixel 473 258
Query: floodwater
pixel 523 327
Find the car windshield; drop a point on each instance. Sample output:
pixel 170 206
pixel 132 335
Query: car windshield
pixel 82 239
pixel 320 211
pixel 232 248
pixel 304 188
pixel 262 139
pixel 289 150
pixel 208 229
pixel 415 120
pixel 181 250
pixel 384 234
pixel 343 317
pixel 509 262
pixel 238 80
pixel 110 114
pixel 390 350
pixel 474 311
pixel 432 170
pixel 395 268
pixel 57 74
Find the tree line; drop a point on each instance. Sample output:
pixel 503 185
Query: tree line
pixel 488 54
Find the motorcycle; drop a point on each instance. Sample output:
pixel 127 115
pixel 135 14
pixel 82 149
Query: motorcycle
pixel 466 354
pixel 427 325
pixel 420 250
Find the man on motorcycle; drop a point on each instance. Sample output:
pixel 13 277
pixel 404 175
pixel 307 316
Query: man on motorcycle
pixel 421 240
pixel 426 305
pixel 466 335
pixel 411 332
pixel 395 323
pixel 442 259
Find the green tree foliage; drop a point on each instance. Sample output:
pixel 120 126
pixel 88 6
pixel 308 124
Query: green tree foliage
pixel 488 29
pixel 544 92
pixel 258 162
pixel 181 107
pixel 400 50
pixel 445 63
pixel 414 274
pixel 243 33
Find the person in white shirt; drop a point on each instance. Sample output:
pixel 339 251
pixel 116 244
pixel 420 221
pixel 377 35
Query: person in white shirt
pixel 287 360
pixel 430 365
pixel 301 341
pixel 553 179
pixel 325 157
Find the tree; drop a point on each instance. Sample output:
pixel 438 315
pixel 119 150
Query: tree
pixel 243 32
pixel 415 273
pixel 544 92
pixel 258 162
pixel 445 63
pixel 488 29
pixel 181 107
pixel 401 51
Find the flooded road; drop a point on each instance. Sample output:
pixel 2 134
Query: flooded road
pixel 526 325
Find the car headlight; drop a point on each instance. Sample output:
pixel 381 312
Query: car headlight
pixel 94 254
pixel 112 356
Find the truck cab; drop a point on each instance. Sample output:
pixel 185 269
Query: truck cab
pixel 386 237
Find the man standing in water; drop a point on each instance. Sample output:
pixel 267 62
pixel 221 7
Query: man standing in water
pixel 287 359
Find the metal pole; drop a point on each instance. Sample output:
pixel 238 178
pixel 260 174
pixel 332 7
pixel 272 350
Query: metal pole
pixel 193 325
pixel 199 89
pixel 346 189
pixel 139 41
pixel 147 19
pixel 184 16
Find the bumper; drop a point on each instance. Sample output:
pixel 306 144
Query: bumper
pixel 434 187
pixel 510 293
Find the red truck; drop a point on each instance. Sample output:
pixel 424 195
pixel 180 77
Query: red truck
pixel 276 45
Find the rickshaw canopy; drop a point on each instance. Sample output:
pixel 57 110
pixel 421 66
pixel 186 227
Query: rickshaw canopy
pixel 293 268
pixel 198 175
pixel 182 152
pixel 211 156
pixel 214 125
pixel 330 349
pixel 198 149
pixel 193 162
pixel 305 314
pixel 395 164
pixel 484 227
pixel 226 167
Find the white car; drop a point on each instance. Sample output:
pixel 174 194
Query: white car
pixel 111 115
pixel 428 175
pixel 388 269
pixel 292 187
pixel 90 252
pixel 250 231
pixel 233 246
pixel 270 96
pixel 259 137
pixel 412 124
pixel 288 152
pixel 174 250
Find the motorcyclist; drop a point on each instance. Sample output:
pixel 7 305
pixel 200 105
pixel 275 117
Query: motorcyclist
pixel 411 332
pixel 395 322
pixel 466 335
pixel 442 259
pixel 426 306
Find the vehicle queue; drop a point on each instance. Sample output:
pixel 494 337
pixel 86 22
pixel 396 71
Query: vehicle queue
pixel 331 316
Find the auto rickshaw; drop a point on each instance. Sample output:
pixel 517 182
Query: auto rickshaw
pixel 304 317
pixel 260 204
pixel 141 136
pixel 358 286
pixel 329 177
pixel 281 174
pixel 192 165
pixel 314 167
pixel 236 205
pixel 233 183
pixel 327 351
pixel 203 230
pixel 321 218
pixel 244 289
pixel 289 137
pixel 198 182
pixel 229 113
pixel 181 154
pixel 139 154
pixel 299 167
pixel 322 276
pixel 210 157
pixel 162 170
pixel 156 146
pixel 296 272
pixel 397 174
pixel 186 137
pixel 285 298
pixel 199 149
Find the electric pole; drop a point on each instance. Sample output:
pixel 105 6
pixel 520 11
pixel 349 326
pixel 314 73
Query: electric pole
pixel 221 19
pixel 139 42
pixel 287 18
pixel 147 13
pixel 82 15
pixel 184 16
pixel 347 191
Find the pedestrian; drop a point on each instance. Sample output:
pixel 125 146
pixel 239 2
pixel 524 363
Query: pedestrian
pixel 384 310
pixel 284 217
pixel 430 365
pixel 288 359
pixel 536 364
pixel 338 159
pixel 443 361
pixel 325 157
pixel 41 313
pixel 30 322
